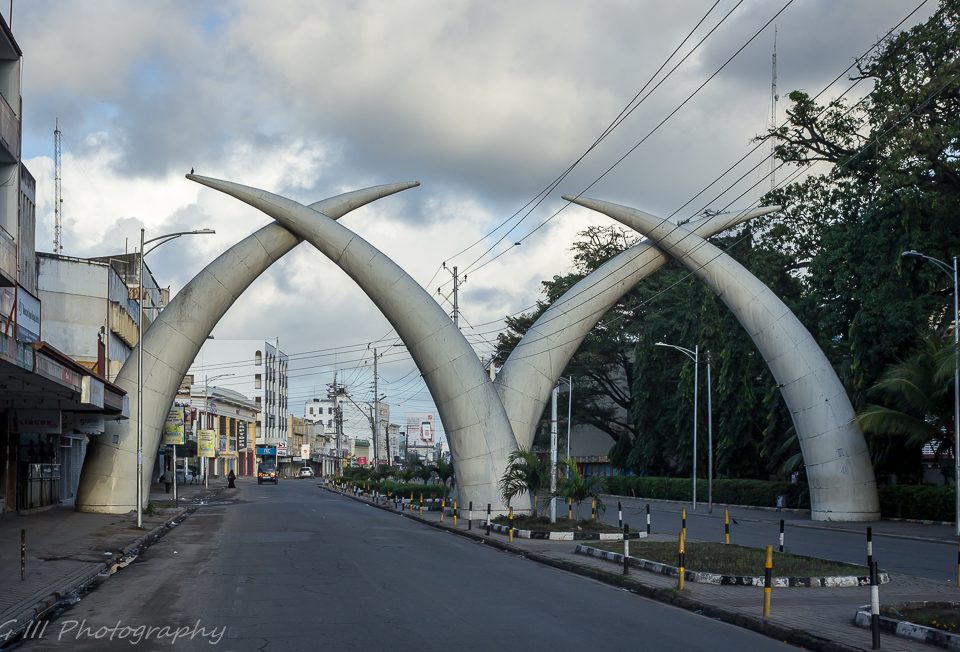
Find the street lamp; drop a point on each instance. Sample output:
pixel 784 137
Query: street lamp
pixel 695 356
pixel 553 442
pixel 952 271
pixel 159 240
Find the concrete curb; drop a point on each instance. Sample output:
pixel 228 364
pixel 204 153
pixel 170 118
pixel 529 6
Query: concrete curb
pixel 545 535
pixel 81 579
pixel 789 635
pixel 906 629
pixel 833 582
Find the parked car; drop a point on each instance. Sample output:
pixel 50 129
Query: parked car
pixel 267 472
pixel 305 472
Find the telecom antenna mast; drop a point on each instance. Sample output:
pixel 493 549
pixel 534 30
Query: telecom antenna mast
pixel 58 192
pixel 773 112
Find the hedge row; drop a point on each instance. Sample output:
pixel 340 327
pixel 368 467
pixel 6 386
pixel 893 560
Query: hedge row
pixel 922 502
pixel 734 492
pixel 404 489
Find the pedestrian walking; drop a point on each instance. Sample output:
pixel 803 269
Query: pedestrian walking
pixel 231 478
pixel 167 479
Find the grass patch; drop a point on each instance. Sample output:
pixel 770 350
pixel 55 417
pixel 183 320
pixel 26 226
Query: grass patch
pixel 944 616
pixel 542 523
pixel 733 560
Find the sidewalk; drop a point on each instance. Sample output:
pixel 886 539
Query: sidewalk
pixel 67 550
pixel 814 618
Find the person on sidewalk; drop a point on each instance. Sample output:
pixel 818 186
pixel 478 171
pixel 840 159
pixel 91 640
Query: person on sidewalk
pixel 167 479
pixel 231 477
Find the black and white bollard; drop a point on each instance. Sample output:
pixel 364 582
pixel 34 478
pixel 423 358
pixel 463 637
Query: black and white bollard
pixel 470 516
pixel 488 519
pixel 875 605
pixel 648 518
pixel 781 535
pixel 869 547
pixel 620 514
pixel 626 549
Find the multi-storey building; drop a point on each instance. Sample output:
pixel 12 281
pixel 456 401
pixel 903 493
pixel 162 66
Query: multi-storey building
pixel 49 403
pixel 257 369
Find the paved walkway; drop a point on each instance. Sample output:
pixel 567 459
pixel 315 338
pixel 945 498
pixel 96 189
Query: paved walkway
pixel 66 550
pixel 816 618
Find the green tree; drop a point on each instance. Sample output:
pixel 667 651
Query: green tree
pixel 526 473
pixel 576 487
pixel 918 404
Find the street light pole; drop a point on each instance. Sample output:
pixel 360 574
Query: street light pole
pixel 553 454
pixel 952 271
pixel 159 240
pixel 695 356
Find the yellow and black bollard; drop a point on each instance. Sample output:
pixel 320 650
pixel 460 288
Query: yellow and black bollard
pixel 767 581
pixel 454 512
pixel 510 519
pixel 421 504
pixel 726 526
pixel 593 509
pixel 411 501
pixel 443 508
pixel 569 509
pixel 681 553
pixel 683 521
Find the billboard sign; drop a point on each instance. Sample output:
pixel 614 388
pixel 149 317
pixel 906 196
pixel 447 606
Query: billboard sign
pixel 173 427
pixel 305 451
pixel 420 430
pixel 206 446
pixel 264 451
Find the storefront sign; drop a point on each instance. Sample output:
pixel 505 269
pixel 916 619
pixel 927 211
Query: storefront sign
pixel 242 435
pixel 28 316
pixel 266 450
pixel 88 424
pixel 305 451
pixel 44 422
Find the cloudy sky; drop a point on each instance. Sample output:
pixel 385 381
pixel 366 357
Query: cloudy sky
pixel 484 103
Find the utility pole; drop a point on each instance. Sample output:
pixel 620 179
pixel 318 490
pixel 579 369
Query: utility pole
pixel 773 112
pixel 375 422
pixel 337 424
pixel 456 293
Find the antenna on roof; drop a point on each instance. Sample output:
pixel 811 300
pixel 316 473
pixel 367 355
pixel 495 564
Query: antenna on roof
pixel 58 192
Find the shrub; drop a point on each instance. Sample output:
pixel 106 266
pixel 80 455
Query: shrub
pixel 922 502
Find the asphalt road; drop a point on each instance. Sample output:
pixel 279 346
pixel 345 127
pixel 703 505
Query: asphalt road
pixel 927 551
pixel 294 567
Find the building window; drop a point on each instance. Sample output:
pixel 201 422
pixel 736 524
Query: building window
pixel 257 357
pixel 257 381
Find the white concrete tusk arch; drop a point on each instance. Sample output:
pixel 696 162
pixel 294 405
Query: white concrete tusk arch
pixel 108 479
pixel 533 367
pixel 475 422
pixel 839 473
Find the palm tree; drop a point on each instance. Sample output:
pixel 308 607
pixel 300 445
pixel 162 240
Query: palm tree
pixel 578 488
pixel 526 473
pixel 919 397
pixel 444 470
